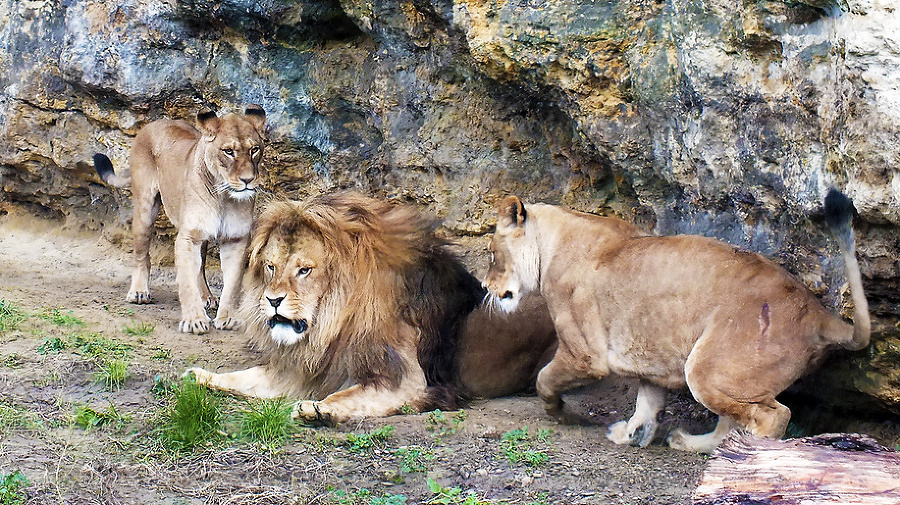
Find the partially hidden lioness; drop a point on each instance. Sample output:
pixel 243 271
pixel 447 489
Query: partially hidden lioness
pixel 361 310
pixel 206 179
pixel 674 311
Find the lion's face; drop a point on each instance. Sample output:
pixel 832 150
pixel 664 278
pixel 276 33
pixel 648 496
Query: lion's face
pixel 513 270
pixel 296 280
pixel 233 150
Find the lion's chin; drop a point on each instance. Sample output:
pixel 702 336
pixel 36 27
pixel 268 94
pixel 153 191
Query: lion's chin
pixel 287 331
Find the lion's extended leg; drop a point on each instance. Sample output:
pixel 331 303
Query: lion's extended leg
pixel 255 382
pixel 640 429
pixel 231 254
pixel 187 259
pixel 363 401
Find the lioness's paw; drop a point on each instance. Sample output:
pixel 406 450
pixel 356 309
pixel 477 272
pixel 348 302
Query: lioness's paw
pixel 679 438
pixel 310 412
pixel 200 375
pixel 139 297
pixel 227 323
pixel 195 326
pixel 641 436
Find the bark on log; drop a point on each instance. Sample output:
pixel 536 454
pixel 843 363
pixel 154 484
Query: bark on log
pixel 825 469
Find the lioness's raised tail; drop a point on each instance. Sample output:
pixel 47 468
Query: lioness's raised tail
pixel 104 168
pixel 839 216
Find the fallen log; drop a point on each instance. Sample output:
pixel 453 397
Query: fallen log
pixel 824 469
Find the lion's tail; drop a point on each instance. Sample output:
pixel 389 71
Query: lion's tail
pixel 839 216
pixel 104 168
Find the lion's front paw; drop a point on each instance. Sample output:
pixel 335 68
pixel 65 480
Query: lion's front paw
pixel 314 413
pixel 200 375
pixel 138 297
pixel 196 326
pixel 641 436
pixel 226 323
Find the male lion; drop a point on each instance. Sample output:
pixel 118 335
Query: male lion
pixel 358 307
pixel 677 311
pixel 206 180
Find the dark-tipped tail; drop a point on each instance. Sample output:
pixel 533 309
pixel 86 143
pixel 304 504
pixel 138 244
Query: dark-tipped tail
pixel 104 168
pixel 839 217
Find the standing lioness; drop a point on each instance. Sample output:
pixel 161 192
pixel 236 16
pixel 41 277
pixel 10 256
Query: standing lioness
pixel 206 179
pixel 733 327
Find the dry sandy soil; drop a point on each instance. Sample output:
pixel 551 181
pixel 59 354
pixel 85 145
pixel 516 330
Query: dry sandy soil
pixel 45 268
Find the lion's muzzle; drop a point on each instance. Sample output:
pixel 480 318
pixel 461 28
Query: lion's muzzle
pixel 298 325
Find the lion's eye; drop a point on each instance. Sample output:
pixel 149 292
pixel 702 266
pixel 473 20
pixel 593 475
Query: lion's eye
pixel 303 272
pixel 228 152
pixel 254 151
pixel 271 268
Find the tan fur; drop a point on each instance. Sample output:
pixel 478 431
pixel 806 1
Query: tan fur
pixel 206 179
pixel 674 312
pixel 369 307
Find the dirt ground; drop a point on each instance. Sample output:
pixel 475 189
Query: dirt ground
pixel 44 268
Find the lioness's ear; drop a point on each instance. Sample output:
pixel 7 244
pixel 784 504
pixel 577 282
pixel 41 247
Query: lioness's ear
pixel 208 123
pixel 257 117
pixel 512 213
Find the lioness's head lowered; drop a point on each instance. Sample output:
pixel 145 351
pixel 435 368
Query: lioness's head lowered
pixel 232 149
pixel 515 261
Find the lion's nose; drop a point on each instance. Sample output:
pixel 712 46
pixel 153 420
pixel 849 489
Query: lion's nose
pixel 275 302
pixel 247 180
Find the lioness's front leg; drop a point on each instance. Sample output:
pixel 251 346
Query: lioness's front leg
pixel 562 374
pixel 363 401
pixel 231 253
pixel 187 273
pixel 640 429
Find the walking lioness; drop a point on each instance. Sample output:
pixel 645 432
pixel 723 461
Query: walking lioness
pixel 678 311
pixel 206 179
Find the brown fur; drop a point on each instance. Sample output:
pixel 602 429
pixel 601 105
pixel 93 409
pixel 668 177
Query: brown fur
pixel 682 311
pixel 206 179
pixel 369 305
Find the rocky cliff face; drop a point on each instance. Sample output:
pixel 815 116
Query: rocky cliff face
pixel 728 119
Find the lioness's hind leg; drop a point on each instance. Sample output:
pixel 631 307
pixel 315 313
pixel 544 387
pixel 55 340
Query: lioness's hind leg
pixel 641 428
pixel 706 443
pixel 208 298
pixel 146 207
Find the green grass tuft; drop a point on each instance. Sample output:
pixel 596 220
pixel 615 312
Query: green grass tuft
pixel 11 485
pixel 58 318
pixel 113 374
pixel 87 418
pixel 52 345
pixel 517 446
pixel 193 420
pixel 13 417
pixel 267 422
pixel 366 441
pixel 10 316
pixel 139 329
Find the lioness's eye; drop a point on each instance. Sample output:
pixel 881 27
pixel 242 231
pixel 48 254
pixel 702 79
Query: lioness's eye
pixel 253 151
pixel 270 268
pixel 228 152
pixel 303 272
